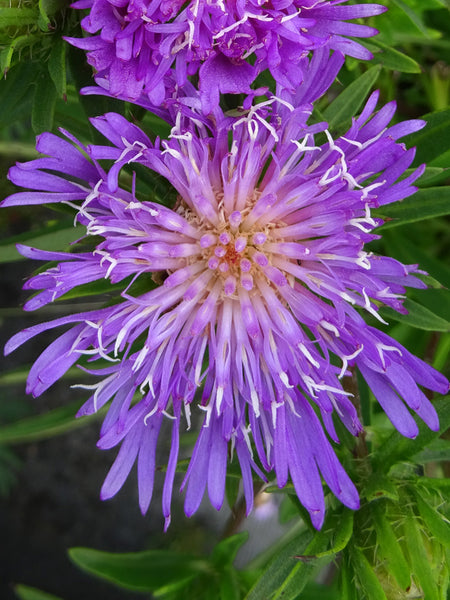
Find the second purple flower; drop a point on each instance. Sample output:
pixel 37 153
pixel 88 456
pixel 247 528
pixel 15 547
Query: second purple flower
pixel 228 44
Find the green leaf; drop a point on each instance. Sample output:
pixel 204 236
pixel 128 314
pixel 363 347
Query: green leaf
pixel 95 288
pixel 419 560
pixel 43 21
pixel 291 568
pixel 398 448
pixel 232 486
pixel 24 592
pixel 348 103
pixel 20 375
pixel 57 239
pixel 288 509
pixel 344 531
pixel 379 486
pixel 43 103
pixel 316 591
pixel 431 176
pixel 15 95
pixel 436 522
pixel 282 566
pixel 225 551
pixel 434 483
pixel 157 571
pixel 19 42
pixel 391 58
pixel 424 204
pixel 406 250
pixel 418 316
pixel 17 17
pixel 40 427
pixel 431 139
pixel 57 67
pixel 229 585
pixel 390 547
pixel 437 451
pixel 365 574
pixel 347 586
pixel 413 16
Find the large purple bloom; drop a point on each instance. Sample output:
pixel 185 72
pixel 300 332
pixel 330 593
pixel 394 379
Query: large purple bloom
pixel 227 43
pixel 266 282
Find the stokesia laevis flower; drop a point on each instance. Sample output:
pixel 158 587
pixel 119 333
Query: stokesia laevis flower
pixel 227 43
pixel 265 280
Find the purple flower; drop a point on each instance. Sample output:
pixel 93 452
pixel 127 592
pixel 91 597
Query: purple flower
pixel 139 41
pixel 260 313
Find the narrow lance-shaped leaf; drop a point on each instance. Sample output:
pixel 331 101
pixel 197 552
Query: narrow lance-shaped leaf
pixel 225 551
pixel 391 58
pixel 424 204
pixel 368 581
pixel 433 139
pixel 15 93
pixel 43 103
pixel 389 546
pixel 434 483
pixel 149 571
pixel 421 567
pixel 435 521
pixel 24 592
pixel 413 16
pixel 347 587
pixel 57 67
pixel 342 537
pixel 53 240
pixel 406 250
pixel 54 422
pixel 418 316
pixel 438 450
pixel 290 571
pixel 280 567
pixel 347 104
pixel 397 447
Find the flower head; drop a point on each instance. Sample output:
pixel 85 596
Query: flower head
pixel 227 44
pixel 265 283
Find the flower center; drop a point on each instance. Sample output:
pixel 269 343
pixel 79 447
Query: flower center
pixel 234 255
pixel 239 249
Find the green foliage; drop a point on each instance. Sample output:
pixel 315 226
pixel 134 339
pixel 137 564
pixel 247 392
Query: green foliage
pixel 391 58
pixel 169 574
pixel 418 316
pixel 366 579
pixel 31 36
pixel 24 592
pixel 350 100
pixel 9 465
pixel 389 547
pixel 424 204
pixel 158 571
pixel 398 448
pixel 433 139
pixel 54 422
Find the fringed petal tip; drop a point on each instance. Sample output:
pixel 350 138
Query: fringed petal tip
pixel 317 517
pixel 106 493
pixel 167 523
pixel 144 504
